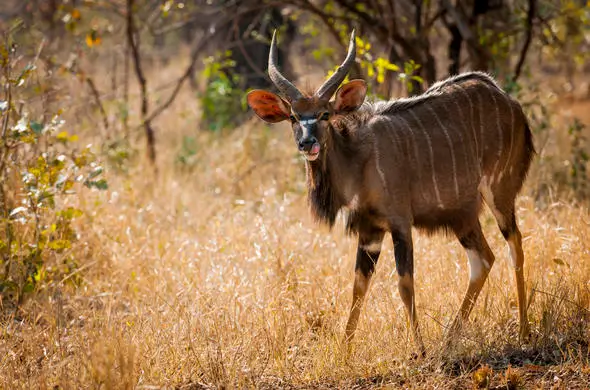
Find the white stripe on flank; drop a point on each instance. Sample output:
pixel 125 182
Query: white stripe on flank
pixel 461 140
pixel 440 204
pixel 413 147
pixel 511 136
pixel 500 137
pixel 452 150
pixel 471 121
pixel 400 141
pixel 378 165
pixel 479 105
pixel 391 132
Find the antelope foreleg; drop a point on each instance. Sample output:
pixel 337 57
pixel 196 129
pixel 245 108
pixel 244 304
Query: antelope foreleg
pixel 361 286
pixel 404 261
pixel 368 251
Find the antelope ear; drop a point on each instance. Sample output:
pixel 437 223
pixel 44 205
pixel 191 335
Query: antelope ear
pixel 350 96
pixel 268 106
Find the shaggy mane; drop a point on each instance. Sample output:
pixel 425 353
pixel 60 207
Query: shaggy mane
pixel 437 89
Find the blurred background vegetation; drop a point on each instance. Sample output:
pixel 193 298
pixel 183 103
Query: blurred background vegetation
pixel 90 91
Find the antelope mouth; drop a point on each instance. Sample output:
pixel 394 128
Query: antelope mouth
pixel 313 153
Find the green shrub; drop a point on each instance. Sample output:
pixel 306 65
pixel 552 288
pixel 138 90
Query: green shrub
pixel 40 167
pixel 223 101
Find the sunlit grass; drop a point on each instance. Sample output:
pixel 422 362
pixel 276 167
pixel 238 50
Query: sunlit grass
pixel 215 274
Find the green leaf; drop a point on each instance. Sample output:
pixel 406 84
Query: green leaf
pixel 8 285
pixel 29 68
pixel 39 274
pixel 70 213
pixel 62 137
pixel 98 184
pixel 59 244
pixel 36 127
pixel 102 184
pixel 29 287
pixel 95 172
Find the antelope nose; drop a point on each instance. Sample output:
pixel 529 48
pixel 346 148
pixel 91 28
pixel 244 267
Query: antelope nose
pixel 305 144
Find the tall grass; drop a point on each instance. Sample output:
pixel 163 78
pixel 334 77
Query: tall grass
pixel 214 275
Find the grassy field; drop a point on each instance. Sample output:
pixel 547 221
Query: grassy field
pixel 214 275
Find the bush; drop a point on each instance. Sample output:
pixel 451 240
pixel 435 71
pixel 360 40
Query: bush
pixel 223 101
pixel 40 167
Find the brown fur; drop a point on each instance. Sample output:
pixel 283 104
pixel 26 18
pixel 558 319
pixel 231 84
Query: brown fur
pixel 428 162
pixel 354 138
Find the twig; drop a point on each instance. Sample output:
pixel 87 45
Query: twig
pixel 196 51
pixel 114 69
pixel 562 299
pixel 249 60
pixel 98 102
pixel 329 23
pixel 187 73
pixel 77 271
pixel 88 80
pixel 430 22
pixel 311 7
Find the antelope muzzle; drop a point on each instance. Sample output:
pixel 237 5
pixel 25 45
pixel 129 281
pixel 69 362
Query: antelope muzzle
pixel 308 144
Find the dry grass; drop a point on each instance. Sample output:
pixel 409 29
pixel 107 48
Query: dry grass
pixel 216 276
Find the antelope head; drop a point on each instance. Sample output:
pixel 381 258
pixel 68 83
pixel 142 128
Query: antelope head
pixel 310 116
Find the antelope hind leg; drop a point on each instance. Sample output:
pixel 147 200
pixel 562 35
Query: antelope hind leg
pixel 481 260
pixel 506 219
pixel 514 239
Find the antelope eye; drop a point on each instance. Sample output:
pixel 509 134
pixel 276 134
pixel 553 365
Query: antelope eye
pixel 292 118
pixel 325 116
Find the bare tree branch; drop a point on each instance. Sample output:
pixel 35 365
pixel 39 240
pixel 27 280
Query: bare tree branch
pixel 98 102
pixel 187 73
pixel 133 44
pixel 529 36
pixel 197 49
pixel 482 58
pixel 308 5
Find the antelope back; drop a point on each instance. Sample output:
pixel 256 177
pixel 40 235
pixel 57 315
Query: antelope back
pixel 462 137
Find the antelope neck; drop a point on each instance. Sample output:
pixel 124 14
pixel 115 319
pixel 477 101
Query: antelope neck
pixel 330 178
